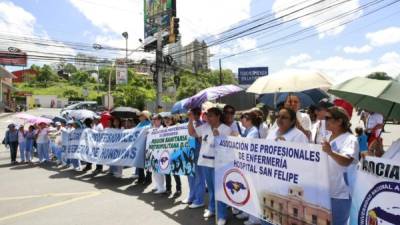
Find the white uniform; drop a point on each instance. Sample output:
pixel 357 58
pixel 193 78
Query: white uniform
pixel 293 135
pixel 304 120
pixel 207 150
pixel 345 144
pixel 319 132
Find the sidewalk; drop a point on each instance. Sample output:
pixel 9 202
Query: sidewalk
pixel 2 115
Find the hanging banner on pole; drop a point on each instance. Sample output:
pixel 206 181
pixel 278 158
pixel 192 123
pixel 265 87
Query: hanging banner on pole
pixel 109 147
pixel 170 151
pixel 280 182
pixel 376 193
pixel 121 74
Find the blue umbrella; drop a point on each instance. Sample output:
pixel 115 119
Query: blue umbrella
pixel 211 93
pixel 307 98
pixel 179 107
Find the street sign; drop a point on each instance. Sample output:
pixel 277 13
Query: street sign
pixel 121 74
pixel 248 75
pixel 13 58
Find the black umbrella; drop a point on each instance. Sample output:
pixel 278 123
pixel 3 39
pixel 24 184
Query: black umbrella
pixel 125 112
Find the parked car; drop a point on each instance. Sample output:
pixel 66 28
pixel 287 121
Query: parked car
pixel 89 105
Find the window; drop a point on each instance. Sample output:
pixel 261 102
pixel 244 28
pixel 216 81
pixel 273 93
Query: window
pixel 295 212
pixel 265 200
pixel 272 203
pixel 314 219
pixel 280 207
pixel 300 193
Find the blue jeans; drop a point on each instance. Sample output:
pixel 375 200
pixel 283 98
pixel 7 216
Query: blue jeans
pixel 197 186
pixel 28 150
pixel 209 174
pixel 340 211
pixel 43 151
pixel 22 149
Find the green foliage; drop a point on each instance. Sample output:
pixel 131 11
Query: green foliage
pixel 46 74
pixel 79 77
pixel 380 76
pixel 135 94
pixel 190 84
pixel 70 94
pixel 69 68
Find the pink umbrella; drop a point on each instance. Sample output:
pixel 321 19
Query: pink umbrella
pixel 32 119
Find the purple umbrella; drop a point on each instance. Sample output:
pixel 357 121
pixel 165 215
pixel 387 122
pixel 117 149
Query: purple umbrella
pixel 210 94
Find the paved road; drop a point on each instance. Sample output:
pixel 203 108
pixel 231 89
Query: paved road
pixel 48 195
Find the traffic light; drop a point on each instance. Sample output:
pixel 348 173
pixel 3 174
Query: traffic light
pixel 174 29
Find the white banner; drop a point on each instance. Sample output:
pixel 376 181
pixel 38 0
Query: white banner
pixel 280 182
pixel 108 147
pixel 376 193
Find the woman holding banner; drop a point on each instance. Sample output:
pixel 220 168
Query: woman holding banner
pixel 158 178
pixel 169 121
pixel 342 149
pixel 207 131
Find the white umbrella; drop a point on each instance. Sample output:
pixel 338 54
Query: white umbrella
pixel 81 114
pixel 290 81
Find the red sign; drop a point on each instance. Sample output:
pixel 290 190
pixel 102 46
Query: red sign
pixel 13 58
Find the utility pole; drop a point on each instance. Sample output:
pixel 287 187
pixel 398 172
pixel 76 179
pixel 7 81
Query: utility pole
pixel 220 73
pixel 159 57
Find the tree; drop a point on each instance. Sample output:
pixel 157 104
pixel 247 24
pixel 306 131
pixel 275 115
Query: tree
pixel 71 94
pixel 380 76
pixel 69 68
pixel 46 74
pixel 79 78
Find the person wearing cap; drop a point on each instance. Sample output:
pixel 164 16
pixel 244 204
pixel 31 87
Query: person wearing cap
pixel 11 139
pixel 319 131
pixel 42 139
pixel 144 121
pixel 22 143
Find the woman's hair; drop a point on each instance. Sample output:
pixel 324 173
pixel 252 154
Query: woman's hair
pixel 216 111
pixel 292 115
pixel 31 126
pixel 252 116
pixel 359 131
pixel 338 113
pixel 112 122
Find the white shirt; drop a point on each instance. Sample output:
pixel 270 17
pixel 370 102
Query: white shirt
pixel 293 135
pixel 207 150
pixel 373 120
pixel 394 151
pixel 98 127
pixel 43 136
pixel 319 132
pixel 235 128
pixel 304 120
pixel 263 129
pixel 21 137
pixel 345 144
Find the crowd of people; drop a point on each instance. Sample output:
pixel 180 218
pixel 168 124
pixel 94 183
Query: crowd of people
pixel 324 124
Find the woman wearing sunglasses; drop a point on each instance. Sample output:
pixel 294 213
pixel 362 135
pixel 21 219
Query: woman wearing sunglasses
pixel 342 150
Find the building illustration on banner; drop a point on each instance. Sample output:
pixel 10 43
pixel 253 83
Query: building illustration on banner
pixel 292 209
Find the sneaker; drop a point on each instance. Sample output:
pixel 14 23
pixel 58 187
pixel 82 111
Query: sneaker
pixel 177 194
pixel 242 216
pixel 78 169
pixel 221 222
pixel 235 211
pixel 195 206
pixel 154 189
pixel 208 214
pixel 167 193
pixel 160 192
pixel 186 201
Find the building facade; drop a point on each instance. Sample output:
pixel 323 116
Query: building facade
pixel 292 209
pixel 194 56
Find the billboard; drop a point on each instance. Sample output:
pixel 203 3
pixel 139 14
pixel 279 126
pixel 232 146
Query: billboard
pixel 152 10
pixel 121 74
pixel 13 58
pixel 248 75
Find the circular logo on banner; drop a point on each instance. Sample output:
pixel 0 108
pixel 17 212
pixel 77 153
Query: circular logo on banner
pixel 236 187
pixel 381 206
pixel 164 160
